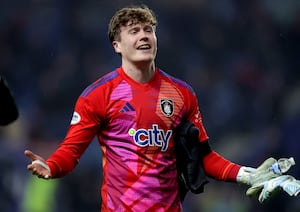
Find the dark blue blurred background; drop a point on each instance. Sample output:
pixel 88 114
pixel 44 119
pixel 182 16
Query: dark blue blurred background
pixel 241 57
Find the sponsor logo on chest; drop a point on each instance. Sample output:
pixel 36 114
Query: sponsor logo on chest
pixel 151 137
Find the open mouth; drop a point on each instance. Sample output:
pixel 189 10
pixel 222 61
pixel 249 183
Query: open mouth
pixel 144 47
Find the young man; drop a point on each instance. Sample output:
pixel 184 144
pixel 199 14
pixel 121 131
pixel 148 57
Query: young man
pixel 134 111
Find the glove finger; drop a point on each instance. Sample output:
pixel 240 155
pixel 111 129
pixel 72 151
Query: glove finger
pixel 292 187
pixel 254 190
pixel 267 194
pixel 271 187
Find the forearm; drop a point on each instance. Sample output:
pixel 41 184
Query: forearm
pixel 66 157
pixel 219 168
pixel 61 163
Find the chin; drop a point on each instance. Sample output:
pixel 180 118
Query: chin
pixel 146 58
pixel 143 60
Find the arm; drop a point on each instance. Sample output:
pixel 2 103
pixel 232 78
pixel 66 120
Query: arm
pixel 83 128
pixel 61 162
pixel 218 167
pixel 264 181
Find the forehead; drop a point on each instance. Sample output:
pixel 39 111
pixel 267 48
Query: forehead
pixel 133 24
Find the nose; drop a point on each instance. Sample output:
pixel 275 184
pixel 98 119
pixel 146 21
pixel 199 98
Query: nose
pixel 144 36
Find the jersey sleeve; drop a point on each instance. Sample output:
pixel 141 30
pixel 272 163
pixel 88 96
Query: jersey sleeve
pixel 195 116
pixel 219 168
pixel 82 130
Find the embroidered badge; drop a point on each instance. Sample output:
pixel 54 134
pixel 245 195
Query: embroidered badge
pixel 167 107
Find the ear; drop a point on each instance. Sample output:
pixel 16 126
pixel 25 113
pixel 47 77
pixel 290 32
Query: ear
pixel 116 46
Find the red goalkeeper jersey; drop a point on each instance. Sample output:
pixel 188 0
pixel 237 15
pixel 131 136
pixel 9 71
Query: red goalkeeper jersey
pixel 134 124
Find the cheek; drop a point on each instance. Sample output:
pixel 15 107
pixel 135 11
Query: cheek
pixel 123 48
pixel 155 45
pixel 155 42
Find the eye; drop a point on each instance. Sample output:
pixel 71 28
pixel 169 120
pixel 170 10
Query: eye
pixel 148 29
pixel 134 30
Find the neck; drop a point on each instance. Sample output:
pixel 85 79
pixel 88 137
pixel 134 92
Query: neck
pixel 139 72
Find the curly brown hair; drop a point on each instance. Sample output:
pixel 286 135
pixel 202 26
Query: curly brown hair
pixel 134 14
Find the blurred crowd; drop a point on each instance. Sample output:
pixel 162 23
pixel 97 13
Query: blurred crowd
pixel 241 57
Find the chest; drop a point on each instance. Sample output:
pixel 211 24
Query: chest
pixel 160 105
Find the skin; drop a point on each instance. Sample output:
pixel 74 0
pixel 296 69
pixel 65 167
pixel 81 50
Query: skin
pixel 37 169
pixel 137 62
pixel 137 46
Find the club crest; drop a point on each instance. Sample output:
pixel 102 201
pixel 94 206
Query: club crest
pixel 167 107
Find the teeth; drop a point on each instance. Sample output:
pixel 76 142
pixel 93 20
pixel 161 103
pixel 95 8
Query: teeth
pixel 146 46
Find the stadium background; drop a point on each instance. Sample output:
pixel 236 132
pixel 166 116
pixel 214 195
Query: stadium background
pixel 241 57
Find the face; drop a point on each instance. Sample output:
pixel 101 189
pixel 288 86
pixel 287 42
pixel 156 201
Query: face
pixel 137 43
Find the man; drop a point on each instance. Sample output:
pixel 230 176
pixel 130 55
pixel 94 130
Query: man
pixel 135 111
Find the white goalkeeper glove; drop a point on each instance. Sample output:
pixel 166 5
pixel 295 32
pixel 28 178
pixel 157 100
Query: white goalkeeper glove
pixel 269 169
pixel 268 188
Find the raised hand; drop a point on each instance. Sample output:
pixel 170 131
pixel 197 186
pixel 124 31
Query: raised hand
pixel 38 165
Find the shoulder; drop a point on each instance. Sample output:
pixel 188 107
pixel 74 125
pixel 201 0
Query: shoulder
pixel 102 83
pixel 179 83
